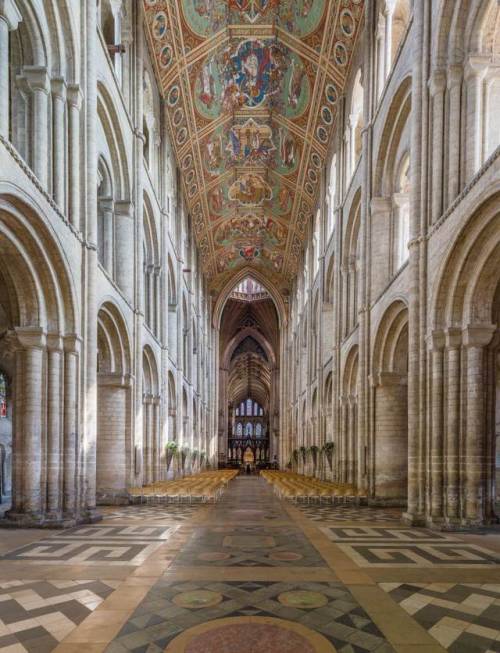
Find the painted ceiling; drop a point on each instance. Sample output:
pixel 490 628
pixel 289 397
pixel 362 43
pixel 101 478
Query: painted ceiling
pixel 252 90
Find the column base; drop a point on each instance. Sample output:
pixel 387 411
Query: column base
pixel 113 498
pixel 387 502
pixel 436 523
pixel 48 521
pixel 413 519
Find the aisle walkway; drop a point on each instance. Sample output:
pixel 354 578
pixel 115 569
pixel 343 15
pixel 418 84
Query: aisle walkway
pixel 251 573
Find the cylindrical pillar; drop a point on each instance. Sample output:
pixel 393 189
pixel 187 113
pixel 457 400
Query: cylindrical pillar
pixel 38 81
pixel 437 86
pixel 71 346
pixel 474 88
pixel 437 428
pixel 54 397
pixel 9 20
pixel 455 76
pixel 33 341
pixel 74 103
pixel 475 339
pixel 453 340
pixel 59 146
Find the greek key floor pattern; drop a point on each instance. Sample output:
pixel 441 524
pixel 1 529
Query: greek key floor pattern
pixel 461 617
pixel 250 573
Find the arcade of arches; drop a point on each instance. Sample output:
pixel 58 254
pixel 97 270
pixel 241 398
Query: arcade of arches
pixel 257 235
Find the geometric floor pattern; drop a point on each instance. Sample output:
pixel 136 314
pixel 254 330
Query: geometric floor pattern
pixel 95 545
pixel 461 617
pixel 36 615
pixel 251 573
pixel 172 512
pixel 172 607
pixel 407 547
pixel 249 546
pixel 326 513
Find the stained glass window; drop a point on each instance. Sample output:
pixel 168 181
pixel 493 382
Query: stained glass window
pixel 248 429
pixel 239 429
pixel 249 407
pixel 258 430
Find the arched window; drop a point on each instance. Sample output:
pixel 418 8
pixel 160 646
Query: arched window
pixel 237 412
pixel 105 217
pixel 316 244
pixel 258 430
pixel 401 209
pixel 261 411
pixel 111 27
pixel 355 127
pixel 239 429
pixel 242 408
pixel 3 395
pixel 249 429
pixel 249 407
pixel 332 189
pixel 255 408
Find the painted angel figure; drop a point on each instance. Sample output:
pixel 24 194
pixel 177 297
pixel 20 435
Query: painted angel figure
pixel 295 84
pixel 207 93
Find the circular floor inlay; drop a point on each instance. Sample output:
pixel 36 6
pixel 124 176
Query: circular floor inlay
pixel 285 556
pixel 250 634
pixel 197 599
pixel 213 556
pixel 303 599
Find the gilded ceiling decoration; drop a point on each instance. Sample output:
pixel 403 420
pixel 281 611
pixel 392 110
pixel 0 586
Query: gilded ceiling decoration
pixel 252 90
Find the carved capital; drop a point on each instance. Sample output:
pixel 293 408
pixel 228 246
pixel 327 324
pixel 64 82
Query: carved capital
pixel 478 335
pixel 31 337
pixel 10 14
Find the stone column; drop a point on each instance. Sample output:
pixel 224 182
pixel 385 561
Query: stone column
pixel 70 444
pixel 453 342
pixel 414 514
pixel 455 76
pixel 474 74
pixel 38 81
pixel 54 426
pixel 475 340
pixel 58 87
pixel 388 13
pixel 33 340
pixel 380 36
pixel 89 226
pixel 106 255
pixel 436 453
pixel 74 98
pixel 124 236
pixel 9 20
pixel 437 85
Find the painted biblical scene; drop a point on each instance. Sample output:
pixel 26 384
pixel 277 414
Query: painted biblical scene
pixel 251 143
pixel 252 74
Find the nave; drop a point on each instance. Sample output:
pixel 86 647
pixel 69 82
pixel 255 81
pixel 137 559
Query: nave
pixel 250 571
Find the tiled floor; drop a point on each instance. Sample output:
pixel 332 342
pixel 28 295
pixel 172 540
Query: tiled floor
pixel 251 573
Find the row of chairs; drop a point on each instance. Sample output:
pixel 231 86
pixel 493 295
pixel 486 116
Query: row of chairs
pixel 205 487
pixel 288 485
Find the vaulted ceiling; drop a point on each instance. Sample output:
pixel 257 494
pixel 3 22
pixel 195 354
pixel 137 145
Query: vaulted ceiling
pixel 252 90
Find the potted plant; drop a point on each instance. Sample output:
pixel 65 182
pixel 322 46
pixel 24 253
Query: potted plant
pixel 328 449
pixel 170 451
pixel 314 451
pixel 295 456
pixel 303 453
pixel 184 453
